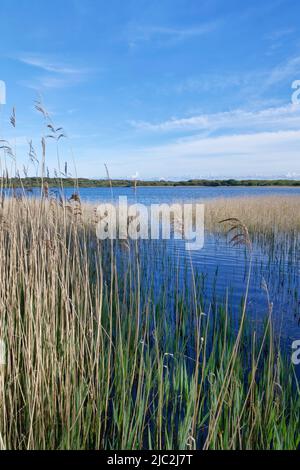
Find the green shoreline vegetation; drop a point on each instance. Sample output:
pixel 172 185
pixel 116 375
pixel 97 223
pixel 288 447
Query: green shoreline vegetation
pixel 36 182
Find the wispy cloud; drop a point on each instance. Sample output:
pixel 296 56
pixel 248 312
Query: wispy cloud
pixel 279 34
pixel 275 118
pixel 250 84
pixel 47 65
pixel 178 33
pixel 284 71
pixel 59 74
pixel 165 35
pixel 243 144
pixel 212 81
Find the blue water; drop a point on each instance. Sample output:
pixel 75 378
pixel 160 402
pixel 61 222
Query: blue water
pixel 156 195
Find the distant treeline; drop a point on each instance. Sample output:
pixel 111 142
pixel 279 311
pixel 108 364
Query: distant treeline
pixel 104 183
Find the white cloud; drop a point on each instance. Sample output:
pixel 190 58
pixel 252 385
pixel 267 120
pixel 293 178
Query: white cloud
pixel 59 74
pixel 281 142
pixel 274 118
pixel 50 66
pixel 261 153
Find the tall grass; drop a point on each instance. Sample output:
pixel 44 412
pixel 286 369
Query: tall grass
pixel 264 215
pixel 100 355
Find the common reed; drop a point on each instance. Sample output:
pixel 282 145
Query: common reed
pixel 103 354
pixel 265 215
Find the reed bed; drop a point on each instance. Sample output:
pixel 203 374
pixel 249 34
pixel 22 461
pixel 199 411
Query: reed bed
pixel 265 215
pixel 98 358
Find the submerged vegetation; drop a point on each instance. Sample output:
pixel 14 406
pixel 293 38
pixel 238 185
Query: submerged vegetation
pixel 101 354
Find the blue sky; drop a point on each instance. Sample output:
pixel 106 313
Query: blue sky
pixel 166 89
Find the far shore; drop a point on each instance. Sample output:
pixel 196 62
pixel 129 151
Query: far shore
pixel 36 182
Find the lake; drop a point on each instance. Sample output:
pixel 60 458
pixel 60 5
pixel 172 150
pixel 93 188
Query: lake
pixel 160 195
